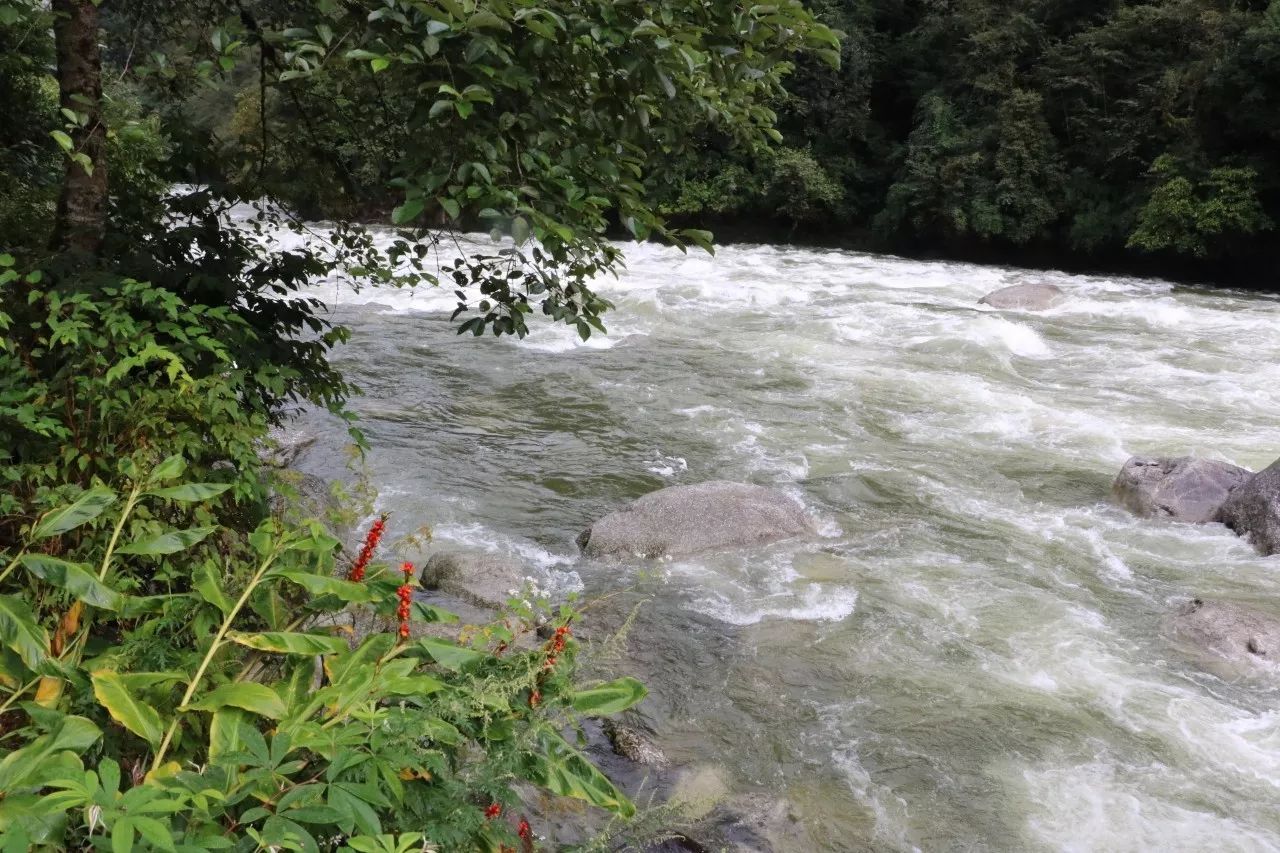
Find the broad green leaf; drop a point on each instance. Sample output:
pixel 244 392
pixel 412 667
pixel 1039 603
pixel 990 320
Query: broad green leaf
pixel 168 469
pixel 125 708
pixel 290 643
pixel 190 492
pixel 134 606
pixel 411 685
pixel 33 763
pixel 74 578
pixel 207 585
pixel 563 770
pixel 168 543
pixel 449 655
pixel 423 612
pixel 519 230
pixel 609 698
pixel 408 211
pixel 256 698
pixel 225 732
pixel 63 140
pixel 348 591
pixel 20 631
pixel 86 508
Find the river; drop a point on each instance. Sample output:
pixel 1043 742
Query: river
pixel 972 654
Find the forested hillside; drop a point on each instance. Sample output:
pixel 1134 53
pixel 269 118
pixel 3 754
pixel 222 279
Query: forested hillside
pixel 1116 134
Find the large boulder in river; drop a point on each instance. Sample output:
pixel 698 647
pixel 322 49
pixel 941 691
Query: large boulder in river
pixel 682 520
pixel 1182 489
pixel 1253 510
pixel 1233 638
pixel 1027 297
pixel 483 580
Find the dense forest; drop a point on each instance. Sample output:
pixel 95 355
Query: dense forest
pixel 1121 134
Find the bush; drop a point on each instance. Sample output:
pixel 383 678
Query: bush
pixel 266 727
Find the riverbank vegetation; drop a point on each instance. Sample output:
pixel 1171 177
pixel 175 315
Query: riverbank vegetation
pixel 1132 135
pixel 180 668
pixel 1125 135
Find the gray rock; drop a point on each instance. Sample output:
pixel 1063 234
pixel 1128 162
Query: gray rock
pixel 483 580
pixel 1253 510
pixel 1183 489
pixel 682 520
pixel 284 446
pixel 749 823
pixel 633 744
pixel 1027 297
pixel 297 496
pixel 1232 638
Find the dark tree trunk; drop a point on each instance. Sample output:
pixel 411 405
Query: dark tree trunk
pixel 82 206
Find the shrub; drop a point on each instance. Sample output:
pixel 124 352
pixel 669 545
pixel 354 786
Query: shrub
pixel 266 727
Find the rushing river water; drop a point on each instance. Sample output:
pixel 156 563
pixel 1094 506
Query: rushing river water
pixel 972 655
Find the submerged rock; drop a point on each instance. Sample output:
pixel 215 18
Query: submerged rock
pixel 682 520
pixel 1027 297
pixel 484 580
pixel 297 496
pixel 1253 510
pixel 284 446
pixel 1182 489
pixel 633 744
pixel 1242 637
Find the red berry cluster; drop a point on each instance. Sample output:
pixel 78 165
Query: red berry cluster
pixel 556 645
pixel 553 648
pixel 525 832
pixel 492 811
pixel 405 595
pixel 366 551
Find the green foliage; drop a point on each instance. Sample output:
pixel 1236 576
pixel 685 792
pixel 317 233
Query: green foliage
pixel 267 731
pixel 1192 217
pixel 1024 129
pixel 92 379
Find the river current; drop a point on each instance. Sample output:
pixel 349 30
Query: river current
pixel 972 655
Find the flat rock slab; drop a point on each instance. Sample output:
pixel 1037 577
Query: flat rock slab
pixel 1182 489
pixel 1253 510
pixel 1025 297
pixel 682 520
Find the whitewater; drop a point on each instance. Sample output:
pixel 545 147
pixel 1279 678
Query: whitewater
pixel 973 652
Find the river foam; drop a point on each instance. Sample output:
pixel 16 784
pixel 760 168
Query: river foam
pixel 972 654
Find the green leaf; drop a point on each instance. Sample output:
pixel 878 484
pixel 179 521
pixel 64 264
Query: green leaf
pixel 520 230
pixel 207 585
pixel 290 643
pixel 255 698
pixel 563 770
pixel 190 492
pixel 64 141
pixel 609 698
pixel 73 578
pixel 225 732
pixel 379 63
pixel 423 612
pixel 43 758
pixel 20 631
pixel 6 260
pixel 450 206
pixel 349 591
pixel 449 655
pixel 86 508
pixel 171 467
pixel 168 543
pixel 408 211
pixel 125 708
